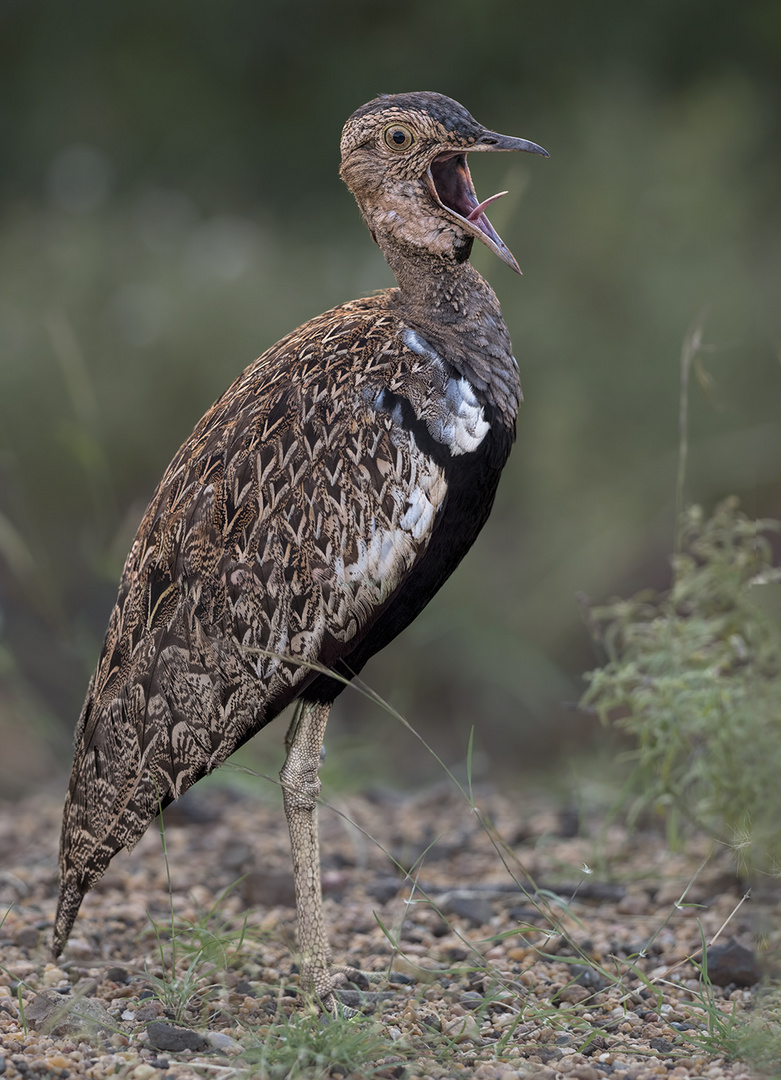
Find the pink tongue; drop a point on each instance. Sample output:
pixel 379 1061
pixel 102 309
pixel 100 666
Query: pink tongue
pixel 480 210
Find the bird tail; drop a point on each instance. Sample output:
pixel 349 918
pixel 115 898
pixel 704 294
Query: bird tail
pixel 67 909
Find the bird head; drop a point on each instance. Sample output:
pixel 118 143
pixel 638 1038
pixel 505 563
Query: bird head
pixel 404 159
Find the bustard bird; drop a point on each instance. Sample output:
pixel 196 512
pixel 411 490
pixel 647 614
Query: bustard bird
pixel 311 515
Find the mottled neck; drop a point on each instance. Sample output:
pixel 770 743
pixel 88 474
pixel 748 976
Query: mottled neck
pixel 457 312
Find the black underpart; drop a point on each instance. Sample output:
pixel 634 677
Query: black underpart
pixel 472 480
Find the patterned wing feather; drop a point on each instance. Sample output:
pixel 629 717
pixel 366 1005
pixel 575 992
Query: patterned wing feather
pixel 280 531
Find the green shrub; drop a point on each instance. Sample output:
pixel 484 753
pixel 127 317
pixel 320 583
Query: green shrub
pixel 693 676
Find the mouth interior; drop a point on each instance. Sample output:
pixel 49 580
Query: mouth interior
pixel 454 189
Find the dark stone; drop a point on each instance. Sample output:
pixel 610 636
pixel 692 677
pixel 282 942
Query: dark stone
pixel 383 889
pixel 664 1046
pixel 147 1012
pixel 732 963
pixel 597 1045
pixel 431 1021
pixel 608 891
pixel 245 988
pixel 468 905
pixel 472 1000
pixel 173 1038
pixel 521 913
pixel 336 860
pixel 588 977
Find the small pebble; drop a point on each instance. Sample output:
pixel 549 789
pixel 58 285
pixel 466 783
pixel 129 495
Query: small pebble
pixel 174 1038
pixel 57 1062
pixel 463 1029
pixel 27 937
pixel 79 949
pixel 144 1072
pixel 489 1070
pixel 221 1041
pixel 53 976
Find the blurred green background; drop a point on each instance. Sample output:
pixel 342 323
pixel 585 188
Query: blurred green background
pixel 170 206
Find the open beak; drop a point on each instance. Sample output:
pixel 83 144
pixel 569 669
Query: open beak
pixel 452 187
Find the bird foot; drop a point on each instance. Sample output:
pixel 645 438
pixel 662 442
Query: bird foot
pixel 329 985
pixel 342 974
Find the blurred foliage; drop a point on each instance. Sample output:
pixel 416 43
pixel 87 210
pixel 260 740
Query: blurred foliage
pixel 170 206
pixel 694 677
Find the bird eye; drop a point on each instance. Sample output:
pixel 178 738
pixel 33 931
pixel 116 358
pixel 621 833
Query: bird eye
pixel 398 137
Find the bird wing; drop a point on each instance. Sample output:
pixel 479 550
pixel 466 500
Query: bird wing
pixel 281 530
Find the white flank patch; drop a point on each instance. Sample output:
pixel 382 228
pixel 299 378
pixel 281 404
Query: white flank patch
pixel 387 555
pixel 381 559
pixel 460 423
pixel 419 515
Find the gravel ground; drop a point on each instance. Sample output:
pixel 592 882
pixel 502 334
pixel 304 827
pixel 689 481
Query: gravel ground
pixel 586 977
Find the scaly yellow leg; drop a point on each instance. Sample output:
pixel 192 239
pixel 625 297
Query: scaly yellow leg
pixel 301 788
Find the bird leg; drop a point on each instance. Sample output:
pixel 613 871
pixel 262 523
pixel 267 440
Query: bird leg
pixel 301 788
